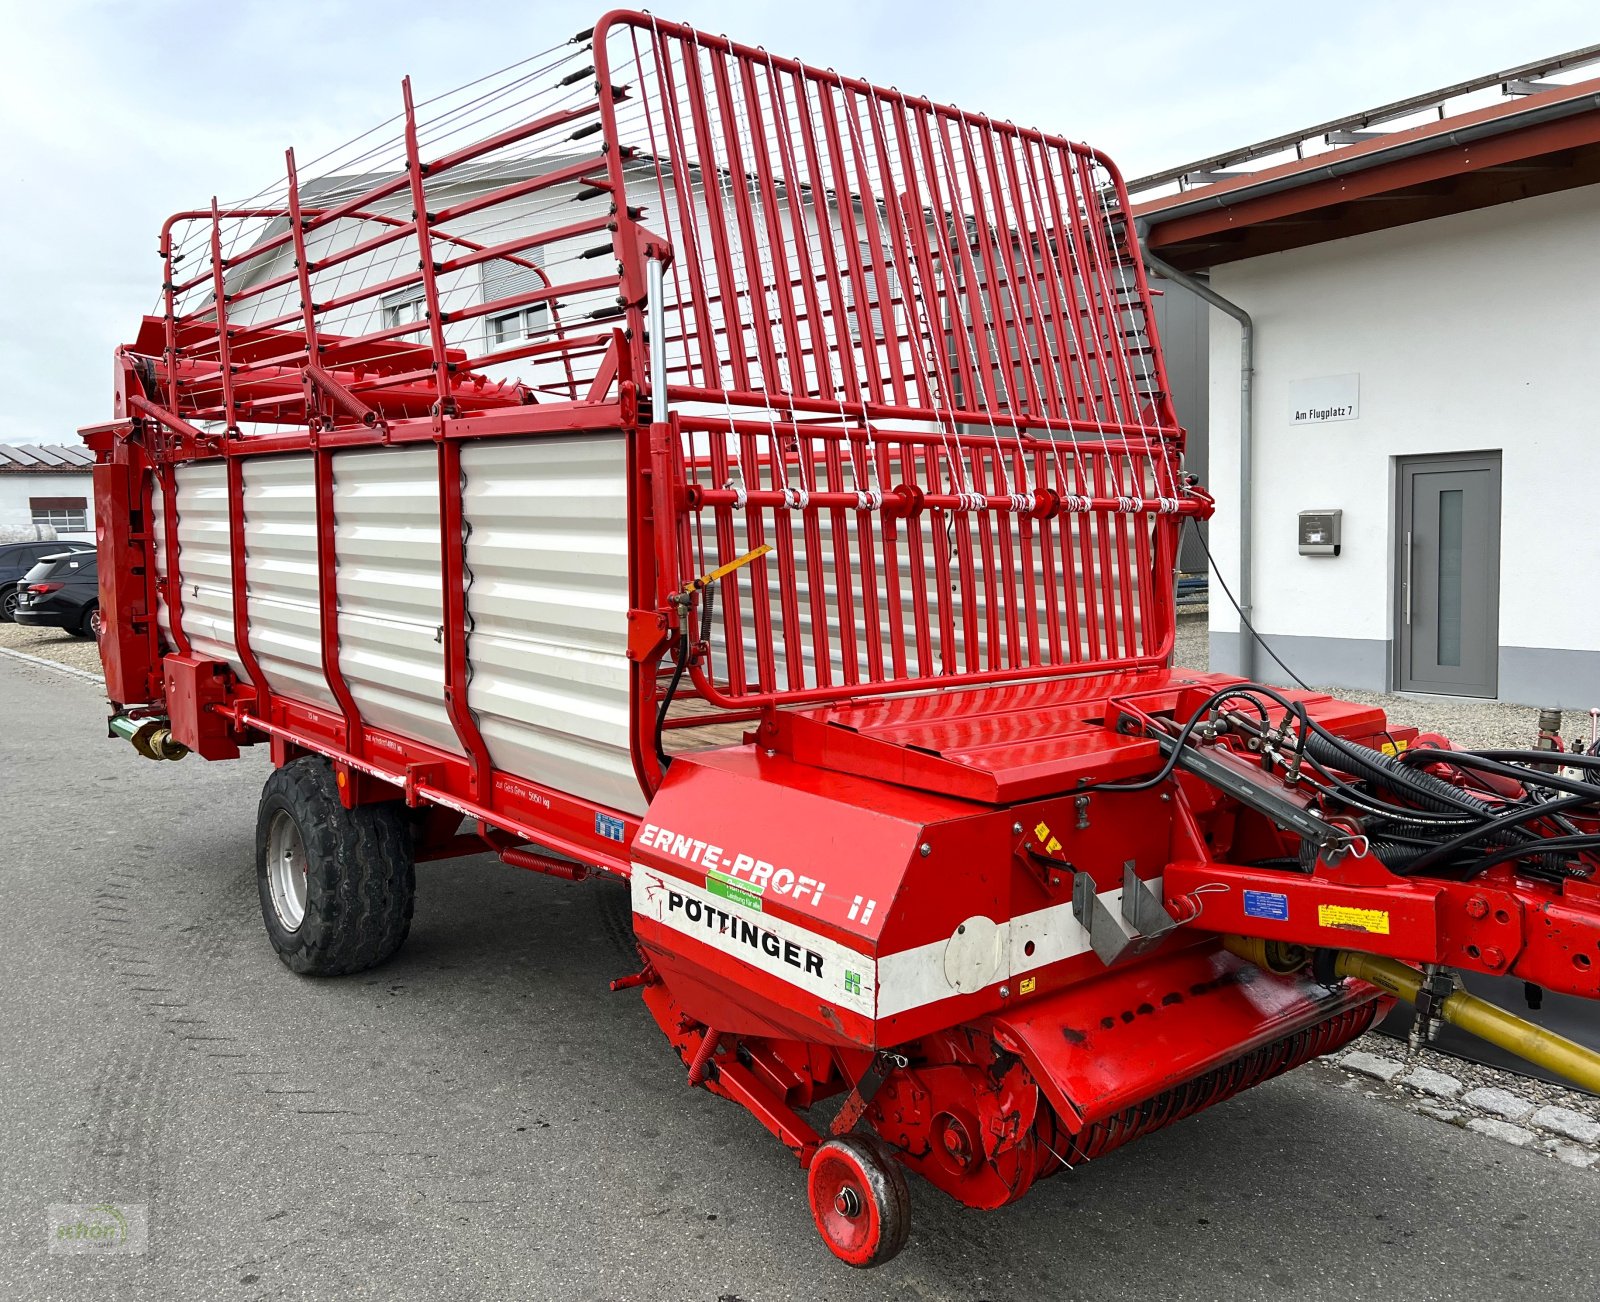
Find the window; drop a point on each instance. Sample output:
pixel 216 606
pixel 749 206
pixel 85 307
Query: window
pixel 504 278
pixel 875 307
pixel 404 307
pixel 69 513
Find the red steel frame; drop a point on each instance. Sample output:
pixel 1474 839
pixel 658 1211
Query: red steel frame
pixel 867 462
pixel 840 441
pixel 1081 488
pixel 910 351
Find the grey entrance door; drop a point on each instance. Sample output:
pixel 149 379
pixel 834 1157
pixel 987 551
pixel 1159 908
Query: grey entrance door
pixel 1449 580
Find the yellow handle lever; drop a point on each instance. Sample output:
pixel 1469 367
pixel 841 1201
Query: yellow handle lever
pixel 722 571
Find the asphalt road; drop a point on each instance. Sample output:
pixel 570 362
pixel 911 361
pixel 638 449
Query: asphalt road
pixel 481 1118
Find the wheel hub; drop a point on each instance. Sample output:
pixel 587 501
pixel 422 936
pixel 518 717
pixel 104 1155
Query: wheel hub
pixel 286 871
pixel 848 1203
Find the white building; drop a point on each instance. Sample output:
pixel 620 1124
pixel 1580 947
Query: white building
pixel 46 492
pixel 1423 289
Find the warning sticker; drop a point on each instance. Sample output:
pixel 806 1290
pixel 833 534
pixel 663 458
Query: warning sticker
pixel 1347 918
pixel 1267 904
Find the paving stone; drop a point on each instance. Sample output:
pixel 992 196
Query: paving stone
pixel 1502 1130
pixel 1503 1103
pixel 1437 1113
pixel 1370 1064
pixel 1572 1154
pixel 1436 1083
pixel 1564 1121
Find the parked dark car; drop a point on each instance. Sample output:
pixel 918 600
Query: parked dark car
pixel 62 591
pixel 16 559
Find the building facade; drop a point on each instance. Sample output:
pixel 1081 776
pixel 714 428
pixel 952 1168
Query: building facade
pixel 1423 435
pixel 46 492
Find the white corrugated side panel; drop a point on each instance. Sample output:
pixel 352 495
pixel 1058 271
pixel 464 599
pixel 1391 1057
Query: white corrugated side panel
pixel 547 549
pixel 158 529
pixel 391 601
pixel 204 567
pixel 280 544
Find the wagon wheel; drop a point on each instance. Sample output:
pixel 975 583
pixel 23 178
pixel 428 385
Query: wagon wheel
pixel 859 1202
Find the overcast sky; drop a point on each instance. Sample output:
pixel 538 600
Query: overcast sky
pixel 113 115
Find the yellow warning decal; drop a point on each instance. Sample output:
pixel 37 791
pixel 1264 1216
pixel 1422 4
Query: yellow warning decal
pixel 1028 984
pixel 1393 747
pixel 1347 918
pixel 1048 842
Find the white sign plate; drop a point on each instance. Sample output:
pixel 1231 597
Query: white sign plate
pixel 1324 398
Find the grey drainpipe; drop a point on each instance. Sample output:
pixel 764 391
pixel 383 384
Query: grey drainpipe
pixel 1247 370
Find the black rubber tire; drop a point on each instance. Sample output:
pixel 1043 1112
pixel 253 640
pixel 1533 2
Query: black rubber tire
pixel 8 605
pixel 361 879
pixel 84 628
pixel 885 1201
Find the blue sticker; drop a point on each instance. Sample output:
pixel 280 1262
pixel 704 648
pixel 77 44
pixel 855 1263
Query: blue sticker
pixel 1267 904
pixel 609 827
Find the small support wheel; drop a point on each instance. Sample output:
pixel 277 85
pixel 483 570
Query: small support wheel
pixel 859 1201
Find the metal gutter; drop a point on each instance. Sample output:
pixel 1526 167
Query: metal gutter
pixel 1372 117
pixel 1247 334
pixel 1344 164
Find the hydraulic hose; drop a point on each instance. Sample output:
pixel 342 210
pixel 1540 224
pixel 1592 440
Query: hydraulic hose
pixel 1385 771
pixel 1395 856
pixel 1442 852
pixel 1484 764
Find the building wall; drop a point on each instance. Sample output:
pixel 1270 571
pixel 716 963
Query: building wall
pixel 1182 326
pixel 16 518
pixel 1474 332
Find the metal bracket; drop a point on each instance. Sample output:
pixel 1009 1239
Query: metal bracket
pixel 1137 927
pixel 864 1090
pixel 1262 794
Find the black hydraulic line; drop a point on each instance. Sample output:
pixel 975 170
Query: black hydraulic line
pixel 685 603
pixel 1182 740
pixel 1474 760
pixel 680 663
pixel 1430 792
pixel 1355 798
pixel 1549 845
pixel 1394 855
pixel 1443 851
pixel 1386 772
pixel 1562 759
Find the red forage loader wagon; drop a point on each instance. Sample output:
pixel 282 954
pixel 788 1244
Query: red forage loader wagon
pixel 670 461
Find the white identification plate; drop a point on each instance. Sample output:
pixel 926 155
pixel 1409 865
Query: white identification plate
pixel 845 978
pixel 1325 398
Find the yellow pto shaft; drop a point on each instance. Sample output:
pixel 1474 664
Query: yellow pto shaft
pixel 1555 1053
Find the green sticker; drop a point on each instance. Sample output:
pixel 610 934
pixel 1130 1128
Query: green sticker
pixel 737 892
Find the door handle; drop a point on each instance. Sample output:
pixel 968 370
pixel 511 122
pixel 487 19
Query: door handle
pixel 1408 577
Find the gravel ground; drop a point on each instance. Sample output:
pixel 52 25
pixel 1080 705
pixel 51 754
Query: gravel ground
pixel 1472 723
pixel 51 644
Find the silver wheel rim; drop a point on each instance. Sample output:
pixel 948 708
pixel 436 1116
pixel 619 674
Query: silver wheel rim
pixel 286 871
